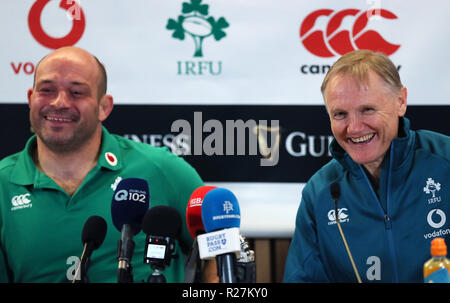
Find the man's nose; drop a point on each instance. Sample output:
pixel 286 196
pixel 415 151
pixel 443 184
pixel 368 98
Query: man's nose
pixel 61 100
pixel 355 125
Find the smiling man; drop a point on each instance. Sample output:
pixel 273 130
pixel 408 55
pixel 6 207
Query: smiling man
pixel 380 168
pixel 68 172
pixel 68 103
pixel 364 113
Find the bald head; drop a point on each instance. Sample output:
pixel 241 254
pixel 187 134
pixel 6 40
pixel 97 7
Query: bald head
pixel 76 53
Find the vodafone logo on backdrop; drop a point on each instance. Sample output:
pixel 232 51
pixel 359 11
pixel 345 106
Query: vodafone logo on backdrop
pixel 73 11
pixel 331 42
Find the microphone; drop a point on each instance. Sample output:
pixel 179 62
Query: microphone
pixel 130 202
pixel 92 236
pixel 335 191
pixel 193 267
pixel 194 211
pixel 162 225
pixel 246 266
pixel 222 219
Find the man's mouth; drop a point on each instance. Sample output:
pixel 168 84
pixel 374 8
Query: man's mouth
pixel 363 139
pixel 58 119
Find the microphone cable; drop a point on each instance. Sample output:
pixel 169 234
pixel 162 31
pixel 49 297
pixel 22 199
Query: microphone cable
pixel 335 192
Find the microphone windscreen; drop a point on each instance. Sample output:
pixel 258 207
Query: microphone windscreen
pixel 163 221
pixel 194 211
pixel 335 190
pixel 130 202
pixel 94 231
pixel 220 210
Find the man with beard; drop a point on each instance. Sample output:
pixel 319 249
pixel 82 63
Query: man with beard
pixel 67 173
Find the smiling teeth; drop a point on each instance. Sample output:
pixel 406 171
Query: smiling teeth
pixel 58 119
pixel 362 139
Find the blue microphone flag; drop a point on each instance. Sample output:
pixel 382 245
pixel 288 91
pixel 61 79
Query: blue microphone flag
pixel 220 210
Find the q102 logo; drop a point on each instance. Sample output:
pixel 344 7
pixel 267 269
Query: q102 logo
pixel 332 42
pixel 73 12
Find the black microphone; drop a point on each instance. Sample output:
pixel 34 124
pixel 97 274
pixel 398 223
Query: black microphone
pixel 130 202
pixel 92 236
pixel 162 225
pixel 335 191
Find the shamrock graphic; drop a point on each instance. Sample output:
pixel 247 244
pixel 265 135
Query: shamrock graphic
pixel 195 22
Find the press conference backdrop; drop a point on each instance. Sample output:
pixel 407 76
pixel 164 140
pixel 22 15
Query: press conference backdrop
pixel 223 83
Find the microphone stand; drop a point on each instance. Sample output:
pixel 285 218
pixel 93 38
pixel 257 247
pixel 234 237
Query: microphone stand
pixel 226 268
pixel 82 267
pixel 245 265
pixel 192 270
pixel 156 277
pixel 124 255
pixel 345 241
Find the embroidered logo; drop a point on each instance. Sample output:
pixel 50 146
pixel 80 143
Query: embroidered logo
pixel 342 215
pixel 21 201
pixel 431 188
pixel 116 182
pixel 111 158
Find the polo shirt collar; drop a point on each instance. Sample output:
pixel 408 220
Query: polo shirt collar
pixel 25 171
pixel 110 156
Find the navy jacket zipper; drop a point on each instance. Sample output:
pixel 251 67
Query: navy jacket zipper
pixel 385 214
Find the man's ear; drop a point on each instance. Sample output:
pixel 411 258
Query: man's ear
pixel 29 93
pixel 105 107
pixel 402 100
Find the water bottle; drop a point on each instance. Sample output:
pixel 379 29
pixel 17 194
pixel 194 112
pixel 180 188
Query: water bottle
pixel 436 270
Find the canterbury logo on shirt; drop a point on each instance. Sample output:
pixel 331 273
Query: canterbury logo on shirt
pixel 342 215
pixel 21 201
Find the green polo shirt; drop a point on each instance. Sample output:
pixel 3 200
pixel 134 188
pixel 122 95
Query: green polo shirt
pixel 40 224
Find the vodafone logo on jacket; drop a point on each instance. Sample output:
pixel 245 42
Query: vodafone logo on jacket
pixel 334 41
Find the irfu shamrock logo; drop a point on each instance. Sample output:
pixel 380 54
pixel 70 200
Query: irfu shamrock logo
pixel 432 187
pixel 195 22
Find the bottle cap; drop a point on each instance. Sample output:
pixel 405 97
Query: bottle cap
pixel 438 247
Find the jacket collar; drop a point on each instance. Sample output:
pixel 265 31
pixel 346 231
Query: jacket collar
pixel 25 171
pixel 399 151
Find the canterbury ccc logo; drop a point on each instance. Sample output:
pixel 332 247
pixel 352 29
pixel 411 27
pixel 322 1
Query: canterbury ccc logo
pixel 20 200
pixel 333 42
pixel 342 215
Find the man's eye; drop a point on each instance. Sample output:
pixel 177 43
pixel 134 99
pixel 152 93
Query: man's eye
pixel 46 90
pixel 76 93
pixel 339 115
pixel 368 110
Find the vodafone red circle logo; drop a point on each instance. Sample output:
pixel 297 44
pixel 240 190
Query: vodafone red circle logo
pixel 111 158
pixel 332 43
pixel 78 24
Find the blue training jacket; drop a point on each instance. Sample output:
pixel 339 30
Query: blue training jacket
pixel 388 232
